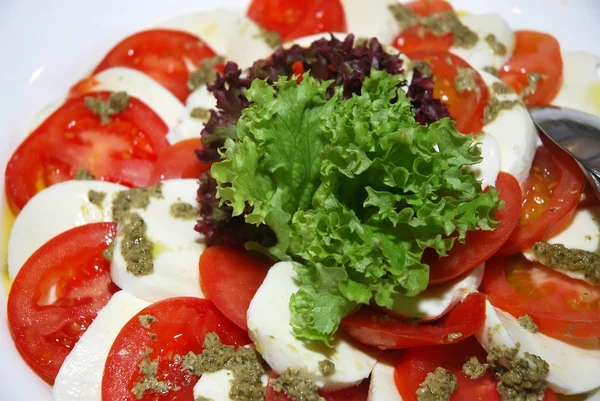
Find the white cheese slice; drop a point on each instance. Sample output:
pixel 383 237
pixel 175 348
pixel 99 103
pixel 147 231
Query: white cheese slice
pixel 383 385
pixel 80 376
pixel 438 300
pixel 187 126
pixel 142 87
pixel 227 32
pixel 514 132
pixel 580 88
pixel 53 211
pixel 177 248
pixel 216 386
pixel 269 328
pixel 482 55
pixel 583 233
pixel 487 171
pixel 376 20
pixel 571 363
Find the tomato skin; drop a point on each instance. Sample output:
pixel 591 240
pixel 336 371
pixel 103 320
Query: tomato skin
pixel 293 19
pixel 479 246
pixel 179 161
pixel 552 168
pixel 122 151
pixel 230 277
pixel 559 305
pixel 162 54
pixel 425 8
pixel 535 52
pixel 367 327
pixel 359 392
pixel 180 326
pixel 466 108
pixel 72 265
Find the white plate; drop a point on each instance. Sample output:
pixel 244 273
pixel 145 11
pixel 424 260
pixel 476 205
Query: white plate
pixel 46 46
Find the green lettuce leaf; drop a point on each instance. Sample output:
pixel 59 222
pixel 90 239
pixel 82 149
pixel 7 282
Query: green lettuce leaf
pixel 355 190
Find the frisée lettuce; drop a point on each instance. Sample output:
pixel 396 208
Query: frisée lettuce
pixel 354 190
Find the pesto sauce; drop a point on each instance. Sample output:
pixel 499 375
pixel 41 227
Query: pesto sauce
pixel 83 175
pixel 271 38
pixel 96 197
pixel 474 369
pixel 116 103
pixel 183 210
pixel 326 367
pixel 149 382
pixel 572 260
pixel 297 386
pixel 245 363
pixel 491 70
pixel 501 88
pixel 109 252
pixel 423 67
pixel 437 386
pixel 405 16
pixel 146 320
pixel 533 79
pixel 206 74
pixel 452 337
pixel 495 106
pixel 136 248
pixel 527 323
pixel 465 80
pixel 200 113
pixel 497 47
pixel 519 378
pixel 136 198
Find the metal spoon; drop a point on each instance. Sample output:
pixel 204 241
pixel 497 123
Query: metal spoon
pixel 577 133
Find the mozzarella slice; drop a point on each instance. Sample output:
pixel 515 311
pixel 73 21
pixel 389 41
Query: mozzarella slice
pixel 214 386
pixel 438 300
pixel 514 132
pixel 228 33
pixel 177 248
pixel 571 363
pixel 583 233
pixel 142 87
pixel 383 385
pixel 54 210
pixel 187 126
pixel 482 55
pixel 80 376
pixel 487 171
pixel 580 88
pixel 269 328
pixel 376 20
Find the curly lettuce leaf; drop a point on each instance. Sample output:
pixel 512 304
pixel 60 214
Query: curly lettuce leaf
pixel 354 189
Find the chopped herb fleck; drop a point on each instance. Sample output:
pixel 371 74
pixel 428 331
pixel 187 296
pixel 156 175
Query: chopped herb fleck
pixel 473 368
pixel 84 175
pixel 438 386
pixel 200 113
pixel 454 336
pixel 465 80
pixel 572 260
pixel 123 351
pixel 527 323
pixel 146 320
pixel 497 47
pixel 108 252
pixel 206 74
pixel 148 381
pixel 105 109
pixel 96 197
pixel 183 210
pixel 326 367
pixel 297 386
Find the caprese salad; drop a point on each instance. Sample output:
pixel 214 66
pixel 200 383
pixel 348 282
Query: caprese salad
pixel 310 201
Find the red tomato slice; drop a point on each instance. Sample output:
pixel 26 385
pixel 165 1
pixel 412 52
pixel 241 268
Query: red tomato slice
pixel 356 393
pixel 414 365
pixel 535 52
pixel 479 246
pixel 293 19
pixel 123 151
pixel 369 326
pixel 558 304
pixel 467 107
pixel 551 194
pixel 58 293
pixel 230 277
pixel 410 40
pixel 591 199
pixel 179 161
pixel 166 56
pixel 180 327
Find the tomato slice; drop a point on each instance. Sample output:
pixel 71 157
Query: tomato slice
pixel 559 305
pixel 479 246
pixel 57 294
pixel 551 194
pixel 122 151
pixel 230 277
pixel 293 19
pixel 411 39
pixel 179 328
pixel 372 327
pixel 355 393
pixel 179 161
pixel 591 199
pixel 415 364
pixel 467 107
pixel 165 55
pixel 535 52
